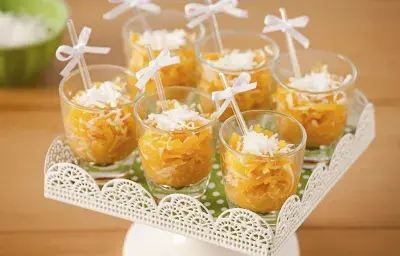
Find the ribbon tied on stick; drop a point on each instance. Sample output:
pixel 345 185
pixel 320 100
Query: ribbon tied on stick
pixel 74 53
pixel 199 12
pixel 273 23
pixel 164 59
pixel 240 84
pixel 125 5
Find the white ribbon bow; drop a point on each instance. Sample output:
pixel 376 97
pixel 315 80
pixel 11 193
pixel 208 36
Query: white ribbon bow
pixel 240 84
pixel 73 54
pixel 125 5
pixel 199 13
pixel 273 23
pixel 164 59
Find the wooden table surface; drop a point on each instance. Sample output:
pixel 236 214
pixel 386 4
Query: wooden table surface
pixel 360 216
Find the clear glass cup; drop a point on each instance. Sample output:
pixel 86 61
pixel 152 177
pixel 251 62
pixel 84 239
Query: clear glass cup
pixel 261 183
pixel 176 161
pixel 182 74
pixel 102 139
pixel 323 114
pixel 266 51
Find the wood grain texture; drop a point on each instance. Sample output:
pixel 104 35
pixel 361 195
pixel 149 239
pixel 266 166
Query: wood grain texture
pixel 360 216
pixel 349 242
pixel 65 243
pixel 327 242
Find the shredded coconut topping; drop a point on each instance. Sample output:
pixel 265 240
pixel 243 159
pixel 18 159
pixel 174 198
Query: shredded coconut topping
pixel 164 39
pixel 17 30
pixel 236 60
pixel 319 81
pixel 259 144
pixel 105 95
pixel 179 118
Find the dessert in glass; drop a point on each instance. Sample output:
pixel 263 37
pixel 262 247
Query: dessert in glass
pixel 261 169
pixel 244 52
pixel 168 32
pixel 176 145
pixel 319 100
pixel 98 122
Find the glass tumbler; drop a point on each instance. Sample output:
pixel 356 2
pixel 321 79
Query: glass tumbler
pixel 265 51
pixel 182 74
pixel 261 183
pixel 176 161
pixel 323 114
pixel 101 138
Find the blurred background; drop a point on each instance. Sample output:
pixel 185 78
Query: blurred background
pixel 360 216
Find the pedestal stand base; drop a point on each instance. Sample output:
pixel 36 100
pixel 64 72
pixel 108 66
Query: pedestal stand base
pixel 142 240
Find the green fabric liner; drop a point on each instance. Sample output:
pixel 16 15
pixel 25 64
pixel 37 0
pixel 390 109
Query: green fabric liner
pixel 214 198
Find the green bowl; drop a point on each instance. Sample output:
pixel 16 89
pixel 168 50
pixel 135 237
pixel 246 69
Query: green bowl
pixel 23 64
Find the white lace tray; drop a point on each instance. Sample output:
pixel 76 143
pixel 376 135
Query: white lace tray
pixel 237 229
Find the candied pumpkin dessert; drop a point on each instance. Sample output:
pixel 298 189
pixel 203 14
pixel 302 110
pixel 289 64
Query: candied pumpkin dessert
pixel 258 174
pixel 177 146
pixel 99 123
pixel 318 103
pixel 178 42
pixel 233 63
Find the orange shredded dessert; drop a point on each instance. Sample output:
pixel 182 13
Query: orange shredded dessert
pixel 261 178
pixel 236 62
pixel 101 127
pixel 181 155
pixel 322 113
pixel 323 121
pixel 179 43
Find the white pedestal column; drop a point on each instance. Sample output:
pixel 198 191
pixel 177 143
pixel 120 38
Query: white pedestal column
pixel 142 240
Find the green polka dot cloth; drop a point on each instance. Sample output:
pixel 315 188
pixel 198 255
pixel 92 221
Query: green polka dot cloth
pixel 214 198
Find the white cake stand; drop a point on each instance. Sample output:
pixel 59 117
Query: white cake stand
pixel 143 240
